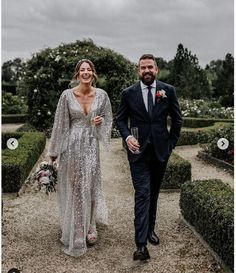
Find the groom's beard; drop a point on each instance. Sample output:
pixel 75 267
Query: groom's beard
pixel 147 78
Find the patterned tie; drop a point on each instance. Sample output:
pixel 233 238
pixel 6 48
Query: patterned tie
pixel 150 101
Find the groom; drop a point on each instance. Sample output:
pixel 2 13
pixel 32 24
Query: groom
pixel 146 105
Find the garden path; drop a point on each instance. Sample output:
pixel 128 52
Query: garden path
pixel 11 127
pixel 200 169
pixel 30 237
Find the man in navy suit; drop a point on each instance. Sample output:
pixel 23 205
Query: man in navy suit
pixel 146 105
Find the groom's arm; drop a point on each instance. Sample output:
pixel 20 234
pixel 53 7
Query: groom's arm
pixel 122 116
pixel 176 118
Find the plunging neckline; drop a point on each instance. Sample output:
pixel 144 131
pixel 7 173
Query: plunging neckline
pixel 91 105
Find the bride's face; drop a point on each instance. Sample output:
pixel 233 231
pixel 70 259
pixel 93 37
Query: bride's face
pixel 85 73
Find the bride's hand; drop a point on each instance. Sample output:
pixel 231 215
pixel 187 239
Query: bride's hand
pixel 98 120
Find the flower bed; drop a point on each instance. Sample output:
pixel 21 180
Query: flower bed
pixel 205 109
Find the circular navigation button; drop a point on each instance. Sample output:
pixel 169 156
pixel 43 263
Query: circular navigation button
pixel 223 143
pixel 12 143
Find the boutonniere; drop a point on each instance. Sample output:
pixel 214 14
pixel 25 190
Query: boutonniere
pixel 160 94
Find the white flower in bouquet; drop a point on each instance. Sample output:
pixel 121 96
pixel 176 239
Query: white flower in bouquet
pixel 45 176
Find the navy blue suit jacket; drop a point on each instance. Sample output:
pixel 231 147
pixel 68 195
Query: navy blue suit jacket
pixel 132 113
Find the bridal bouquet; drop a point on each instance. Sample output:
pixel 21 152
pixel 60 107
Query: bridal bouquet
pixel 45 176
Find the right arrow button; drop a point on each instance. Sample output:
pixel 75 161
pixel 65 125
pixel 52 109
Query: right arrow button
pixel 223 143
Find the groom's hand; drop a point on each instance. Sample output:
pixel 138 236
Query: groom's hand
pixel 133 144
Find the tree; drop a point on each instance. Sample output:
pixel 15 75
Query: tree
pixel 211 70
pixel 224 82
pixel 50 71
pixel 187 76
pixel 164 70
pixel 11 74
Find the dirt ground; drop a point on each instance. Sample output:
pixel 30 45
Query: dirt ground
pixel 30 232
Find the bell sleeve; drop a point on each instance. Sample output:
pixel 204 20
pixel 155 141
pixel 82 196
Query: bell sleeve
pixel 60 132
pixel 104 130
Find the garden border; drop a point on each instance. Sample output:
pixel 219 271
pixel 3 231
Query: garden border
pixel 206 245
pixel 215 161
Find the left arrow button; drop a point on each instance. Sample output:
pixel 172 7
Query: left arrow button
pixel 12 143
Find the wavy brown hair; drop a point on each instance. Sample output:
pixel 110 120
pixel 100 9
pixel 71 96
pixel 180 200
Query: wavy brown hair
pixel 77 70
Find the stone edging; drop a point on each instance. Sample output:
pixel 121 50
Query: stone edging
pixel 206 245
pixel 219 163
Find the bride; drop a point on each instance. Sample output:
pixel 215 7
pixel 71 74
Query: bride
pixel 83 118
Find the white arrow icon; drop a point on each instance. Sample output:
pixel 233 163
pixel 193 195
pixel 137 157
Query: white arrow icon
pixel 12 143
pixel 223 143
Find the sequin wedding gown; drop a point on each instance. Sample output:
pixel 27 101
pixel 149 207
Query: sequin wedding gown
pixel 76 144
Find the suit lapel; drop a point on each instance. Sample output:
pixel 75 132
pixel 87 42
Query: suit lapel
pixel 156 105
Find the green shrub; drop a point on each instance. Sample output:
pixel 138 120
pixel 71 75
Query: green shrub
pixel 13 104
pixel 50 71
pixel 191 136
pixel 15 118
pixel 224 131
pixel 8 87
pixel 27 128
pixel 7 135
pixel 17 164
pixel 208 205
pixel 191 122
pixel 178 171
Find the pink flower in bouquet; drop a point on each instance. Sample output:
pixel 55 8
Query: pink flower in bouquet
pixel 45 176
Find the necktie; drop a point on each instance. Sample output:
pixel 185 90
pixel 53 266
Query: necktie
pixel 150 101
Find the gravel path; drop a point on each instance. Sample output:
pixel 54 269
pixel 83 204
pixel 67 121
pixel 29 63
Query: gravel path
pixel 200 169
pixel 10 127
pixel 30 232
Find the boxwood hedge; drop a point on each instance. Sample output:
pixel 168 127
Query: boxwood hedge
pixel 191 122
pixel 191 136
pixel 14 118
pixel 208 205
pixel 17 164
pixel 178 171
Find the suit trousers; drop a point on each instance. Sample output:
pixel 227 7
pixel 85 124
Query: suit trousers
pixel 147 175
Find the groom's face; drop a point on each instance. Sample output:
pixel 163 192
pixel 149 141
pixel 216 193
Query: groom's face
pixel 147 71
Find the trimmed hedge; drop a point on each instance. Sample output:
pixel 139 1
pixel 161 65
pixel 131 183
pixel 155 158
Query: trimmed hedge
pixel 14 118
pixel 178 171
pixel 191 122
pixel 208 205
pixel 17 164
pixel 27 128
pixel 7 135
pixel 192 136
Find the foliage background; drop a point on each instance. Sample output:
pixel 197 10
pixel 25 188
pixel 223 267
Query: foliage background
pixel 50 71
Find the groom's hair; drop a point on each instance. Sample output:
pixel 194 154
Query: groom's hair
pixel 147 56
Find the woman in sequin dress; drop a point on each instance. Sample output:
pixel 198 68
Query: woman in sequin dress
pixel 83 119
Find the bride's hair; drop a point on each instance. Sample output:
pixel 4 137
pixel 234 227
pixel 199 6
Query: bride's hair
pixel 77 68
